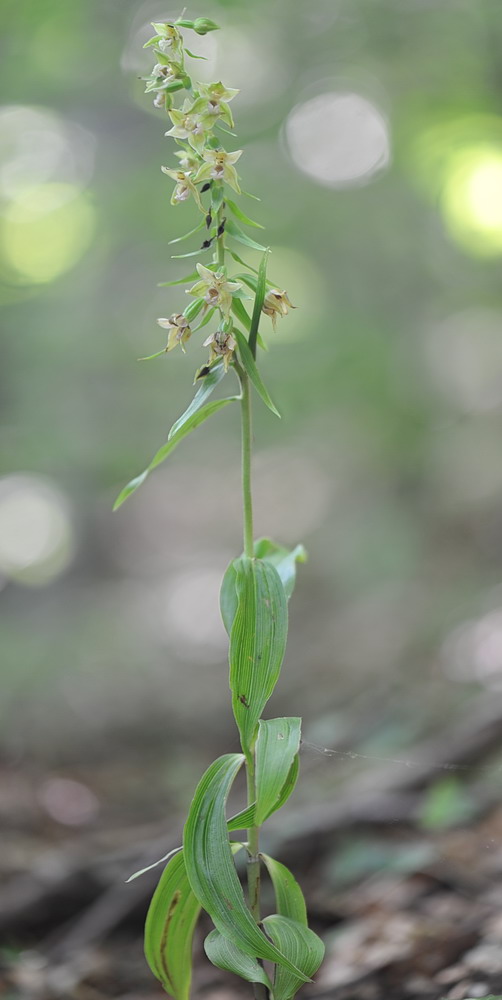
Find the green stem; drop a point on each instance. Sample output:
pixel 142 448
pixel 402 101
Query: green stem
pixel 221 239
pixel 246 465
pixel 253 833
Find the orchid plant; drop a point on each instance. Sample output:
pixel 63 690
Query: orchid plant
pixel 256 586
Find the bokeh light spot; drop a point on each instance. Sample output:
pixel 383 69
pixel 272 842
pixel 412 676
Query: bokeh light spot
pixel 45 231
pixel 36 532
pixel 338 139
pixel 472 200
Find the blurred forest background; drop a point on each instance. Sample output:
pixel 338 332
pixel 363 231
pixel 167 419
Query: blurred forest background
pixel 373 135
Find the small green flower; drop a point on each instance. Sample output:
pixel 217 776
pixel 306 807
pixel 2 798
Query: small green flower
pixel 170 40
pixel 179 330
pixel 215 289
pixel 217 97
pixel 189 159
pixel 184 187
pixel 192 122
pixel 219 166
pixel 276 303
pixel 222 345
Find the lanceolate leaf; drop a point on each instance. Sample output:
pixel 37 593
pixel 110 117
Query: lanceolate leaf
pixel 179 281
pixel 226 955
pixel 192 232
pixel 277 745
pixel 239 214
pixel 249 365
pixel 288 895
pixel 261 287
pixel 257 642
pixel 210 867
pixel 190 425
pixel 205 389
pixel 283 559
pixel 169 927
pixel 304 948
pixel 234 230
pixel 243 820
pixel 228 596
pixel 240 311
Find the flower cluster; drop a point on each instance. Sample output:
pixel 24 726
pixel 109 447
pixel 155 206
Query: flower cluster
pixel 205 166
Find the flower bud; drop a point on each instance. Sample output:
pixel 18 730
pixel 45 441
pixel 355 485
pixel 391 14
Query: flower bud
pixel 202 25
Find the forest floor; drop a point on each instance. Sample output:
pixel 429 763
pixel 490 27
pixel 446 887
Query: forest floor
pixel 402 871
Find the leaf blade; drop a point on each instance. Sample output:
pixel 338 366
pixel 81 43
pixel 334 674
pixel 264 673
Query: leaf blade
pixel 257 642
pixel 239 214
pixel 210 867
pixel 207 386
pixel 288 895
pixel 250 367
pixel 169 928
pixel 237 233
pixel 226 955
pixel 190 425
pixel 283 559
pixel 302 946
pixel 277 745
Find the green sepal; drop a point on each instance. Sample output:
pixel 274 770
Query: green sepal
pixel 283 559
pixel 249 365
pixel 233 230
pixel 277 745
pixel 257 642
pixel 303 948
pixel 169 928
pixel 211 870
pixel 224 954
pixel 239 214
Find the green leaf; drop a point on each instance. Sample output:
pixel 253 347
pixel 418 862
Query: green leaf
pixel 190 425
pixel 283 559
pixel 246 818
pixel 179 281
pixel 192 232
pixel 261 288
pixel 206 387
pixel 233 229
pixel 226 955
pixel 277 745
pixel 217 195
pixel 303 948
pixel 210 867
pixel 242 262
pixel 249 364
pixel 288 895
pixel 169 928
pixel 193 56
pixel 257 642
pixel 241 313
pixel 228 596
pixel 142 871
pixel 150 357
pixel 193 253
pixel 241 216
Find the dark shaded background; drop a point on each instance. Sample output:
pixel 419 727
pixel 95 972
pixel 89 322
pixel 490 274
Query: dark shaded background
pixel 382 202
